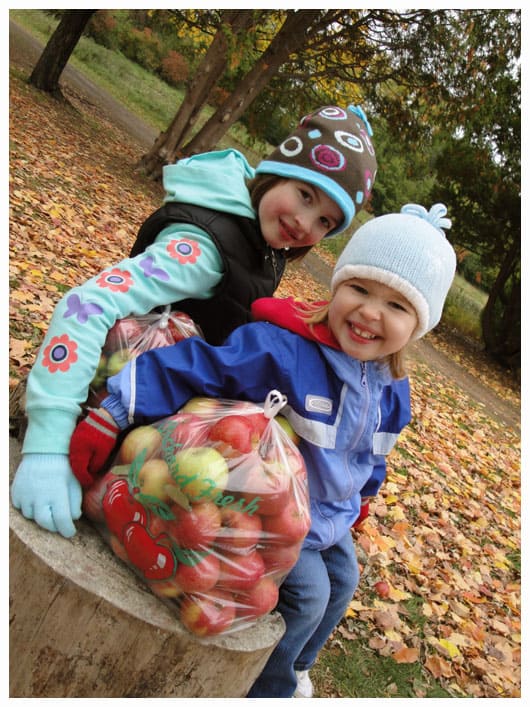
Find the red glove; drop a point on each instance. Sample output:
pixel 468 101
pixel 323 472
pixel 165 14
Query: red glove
pixel 91 445
pixel 363 513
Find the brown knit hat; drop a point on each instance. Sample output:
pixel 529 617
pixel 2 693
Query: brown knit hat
pixel 331 149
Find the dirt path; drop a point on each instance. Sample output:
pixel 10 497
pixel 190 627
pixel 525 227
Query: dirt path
pixel 24 51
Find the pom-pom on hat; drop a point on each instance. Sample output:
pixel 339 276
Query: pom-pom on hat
pixel 407 252
pixel 330 149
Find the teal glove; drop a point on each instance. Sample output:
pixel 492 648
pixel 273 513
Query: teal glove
pixel 45 490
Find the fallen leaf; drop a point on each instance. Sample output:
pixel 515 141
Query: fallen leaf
pixel 406 655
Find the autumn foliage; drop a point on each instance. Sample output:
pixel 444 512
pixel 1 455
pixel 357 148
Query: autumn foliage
pixel 175 68
pixel 444 532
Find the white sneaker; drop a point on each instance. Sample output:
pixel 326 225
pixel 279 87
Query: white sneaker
pixel 304 686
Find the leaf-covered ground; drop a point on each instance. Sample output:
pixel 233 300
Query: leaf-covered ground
pixel 444 533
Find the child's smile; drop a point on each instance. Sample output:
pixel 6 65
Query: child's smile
pixel 293 214
pixel 370 320
pixel 362 333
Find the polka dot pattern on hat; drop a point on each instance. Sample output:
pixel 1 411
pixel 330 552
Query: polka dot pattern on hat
pixel 331 149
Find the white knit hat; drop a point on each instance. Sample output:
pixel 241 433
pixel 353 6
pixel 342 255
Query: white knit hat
pixel 407 252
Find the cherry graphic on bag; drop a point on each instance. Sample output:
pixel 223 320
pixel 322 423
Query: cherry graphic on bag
pixel 120 508
pixel 148 554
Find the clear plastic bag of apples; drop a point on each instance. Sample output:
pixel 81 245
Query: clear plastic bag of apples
pixel 210 507
pixel 131 336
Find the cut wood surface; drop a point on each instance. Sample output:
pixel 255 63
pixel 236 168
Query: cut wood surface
pixel 83 625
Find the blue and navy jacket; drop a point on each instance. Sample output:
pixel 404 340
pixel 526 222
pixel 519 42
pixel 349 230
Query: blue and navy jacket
pixel 344 411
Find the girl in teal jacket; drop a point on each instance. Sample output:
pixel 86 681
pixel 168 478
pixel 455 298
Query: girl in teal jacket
pixel 309 188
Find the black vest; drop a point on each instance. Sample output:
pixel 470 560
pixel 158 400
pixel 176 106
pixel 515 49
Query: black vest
pixel 251 268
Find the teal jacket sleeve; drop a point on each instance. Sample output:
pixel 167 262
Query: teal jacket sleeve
pixel 182 263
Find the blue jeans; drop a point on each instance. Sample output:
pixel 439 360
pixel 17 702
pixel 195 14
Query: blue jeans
pixel 313 599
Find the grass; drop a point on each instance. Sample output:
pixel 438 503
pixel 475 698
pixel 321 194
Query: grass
pixel 147 96
pixel 351 669
pixel 463 308
pixel 151 99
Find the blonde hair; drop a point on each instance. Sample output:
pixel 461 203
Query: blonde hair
pixel 318 314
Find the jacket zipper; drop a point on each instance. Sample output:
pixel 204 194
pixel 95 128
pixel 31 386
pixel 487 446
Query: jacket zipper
pixel 272 256
pixel 363 374
pixel 363 411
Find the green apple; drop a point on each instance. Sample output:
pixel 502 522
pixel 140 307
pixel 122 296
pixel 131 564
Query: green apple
pixel 100 375
pixel 154 478
pixel 117 361
pixel 287 427
pixel 201 473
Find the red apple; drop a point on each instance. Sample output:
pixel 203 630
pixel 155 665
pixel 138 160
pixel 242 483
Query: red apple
pixel 382 588
pixel 123 334
pixel 144 437
pixel 279 559
pixel 200 472
pixel 239 531
pixel 259 423
pixel 296 463
pixel 233 433
pixel 266 487
pixel 196 528
pixel 153 338
pixel 290 525
pixel 208 614
pixel 259 599
pixel 190 431
pixel 240 572
pixel 181 326
pixel 200 574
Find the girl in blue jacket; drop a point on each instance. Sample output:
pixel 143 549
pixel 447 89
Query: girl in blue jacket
pixel 220 242
pixel 333 364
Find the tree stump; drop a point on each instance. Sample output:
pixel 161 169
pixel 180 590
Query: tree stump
pixel 83 625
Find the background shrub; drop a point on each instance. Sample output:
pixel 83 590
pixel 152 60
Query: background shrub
pixel 174 68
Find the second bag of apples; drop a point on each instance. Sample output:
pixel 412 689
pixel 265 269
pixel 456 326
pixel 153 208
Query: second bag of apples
pixel 133 335
pixel 210 507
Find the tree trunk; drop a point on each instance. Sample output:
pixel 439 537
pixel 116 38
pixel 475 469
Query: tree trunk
pixel 501 317
pixel 56 53
pixel 83 625
pixel 211 68
pixel 292 35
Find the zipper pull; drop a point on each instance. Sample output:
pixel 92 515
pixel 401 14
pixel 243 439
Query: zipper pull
pixel 363 374
pixel 272 256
